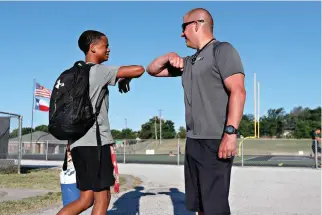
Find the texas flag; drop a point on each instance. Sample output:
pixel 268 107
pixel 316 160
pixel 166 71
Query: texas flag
pixel 41 105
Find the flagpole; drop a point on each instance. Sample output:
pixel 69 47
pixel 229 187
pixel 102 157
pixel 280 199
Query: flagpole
pixel 32 109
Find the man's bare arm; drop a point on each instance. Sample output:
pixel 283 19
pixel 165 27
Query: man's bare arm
pixel 167 65
pixel 237 97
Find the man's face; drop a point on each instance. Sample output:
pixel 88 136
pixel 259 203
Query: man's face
pixel 188 32
pixel 101 48
pixel 318 131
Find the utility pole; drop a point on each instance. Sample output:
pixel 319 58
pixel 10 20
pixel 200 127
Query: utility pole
pixel 160 114
pixel 255 107
pixel 125 123
pixel 155 128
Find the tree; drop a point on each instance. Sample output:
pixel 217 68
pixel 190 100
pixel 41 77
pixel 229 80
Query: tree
pixel 302 130
pixel 128 134
pixel 116 134
pixel 273 124
pixel 148 129
pixel 43 128
pixel 246 126
pixel 25 130
pixel 168 130
pixel 182 132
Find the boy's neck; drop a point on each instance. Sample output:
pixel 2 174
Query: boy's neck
pixel 91 59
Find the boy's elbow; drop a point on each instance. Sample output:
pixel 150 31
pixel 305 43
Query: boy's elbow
pixel 139 71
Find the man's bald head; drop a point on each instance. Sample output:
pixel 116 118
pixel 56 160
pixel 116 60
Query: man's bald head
pixel 201 14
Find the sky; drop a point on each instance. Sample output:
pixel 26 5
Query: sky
pixel 279 41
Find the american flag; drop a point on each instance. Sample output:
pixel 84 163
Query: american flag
pixel 42 91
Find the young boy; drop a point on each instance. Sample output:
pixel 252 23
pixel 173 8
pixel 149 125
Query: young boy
pixel 93 189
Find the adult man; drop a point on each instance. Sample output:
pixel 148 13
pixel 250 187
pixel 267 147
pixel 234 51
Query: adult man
pixel 316 141
pixel 214 96
pixel 94 180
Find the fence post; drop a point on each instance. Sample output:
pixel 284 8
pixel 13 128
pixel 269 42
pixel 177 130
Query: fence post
pixel 316 153
pixel 46 150
pixel 124 144
pixel 20 143
pixel 178 156
pixel 242 152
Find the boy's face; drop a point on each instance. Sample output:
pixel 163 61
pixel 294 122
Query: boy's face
pixel 101 49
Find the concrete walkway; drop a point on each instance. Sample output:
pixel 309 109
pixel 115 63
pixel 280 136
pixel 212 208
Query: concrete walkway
pixel 7 194
pixel 254 191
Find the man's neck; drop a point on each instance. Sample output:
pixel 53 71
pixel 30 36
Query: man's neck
pixel 204 42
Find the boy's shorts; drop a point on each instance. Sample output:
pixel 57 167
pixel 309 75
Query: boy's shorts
pixel 207 178
pixel 85 160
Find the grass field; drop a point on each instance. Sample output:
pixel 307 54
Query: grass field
pixel 44 179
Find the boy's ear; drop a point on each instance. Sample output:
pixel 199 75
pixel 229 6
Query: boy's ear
pixel 92 48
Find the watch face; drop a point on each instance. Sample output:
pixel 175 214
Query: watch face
pixel 230 129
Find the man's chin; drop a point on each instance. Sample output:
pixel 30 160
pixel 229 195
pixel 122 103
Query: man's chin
pixel 189 46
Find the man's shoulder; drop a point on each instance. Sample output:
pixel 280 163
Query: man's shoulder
pixel 223 46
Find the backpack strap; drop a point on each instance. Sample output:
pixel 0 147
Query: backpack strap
pixel 98 106
pixel 65 161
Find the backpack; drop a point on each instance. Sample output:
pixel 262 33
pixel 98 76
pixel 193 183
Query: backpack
pixel 71 113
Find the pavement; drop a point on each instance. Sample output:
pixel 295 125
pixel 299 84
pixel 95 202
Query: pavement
pixel 254 191
pixel 8 194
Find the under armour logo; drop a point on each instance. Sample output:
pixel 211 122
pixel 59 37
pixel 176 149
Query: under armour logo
pixel 59 84
pixel 195 58
pixel 199 58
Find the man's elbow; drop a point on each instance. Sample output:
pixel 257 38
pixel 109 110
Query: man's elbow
pixel 239 92
pixel 243 93
pixel 150 70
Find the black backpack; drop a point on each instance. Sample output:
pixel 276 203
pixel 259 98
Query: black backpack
pixel 71 113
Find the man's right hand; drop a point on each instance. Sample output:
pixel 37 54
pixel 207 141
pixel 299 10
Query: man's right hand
pixel 175 60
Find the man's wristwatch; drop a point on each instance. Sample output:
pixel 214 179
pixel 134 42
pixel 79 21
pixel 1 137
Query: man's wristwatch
pixel 229 129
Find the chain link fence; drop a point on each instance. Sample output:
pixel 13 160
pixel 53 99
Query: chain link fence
pixel 170 151
pixel 10 153
pixel 278 152
pixel 250 151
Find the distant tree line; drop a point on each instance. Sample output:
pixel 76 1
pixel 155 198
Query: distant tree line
pixel 299 123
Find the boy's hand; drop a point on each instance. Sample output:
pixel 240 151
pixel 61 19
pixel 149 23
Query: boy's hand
pixel 124 85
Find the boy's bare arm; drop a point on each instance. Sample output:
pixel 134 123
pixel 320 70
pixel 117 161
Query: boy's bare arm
pixel 133 71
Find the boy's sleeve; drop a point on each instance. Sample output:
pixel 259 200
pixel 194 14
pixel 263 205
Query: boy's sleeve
pixel 107 74
pixel 228 61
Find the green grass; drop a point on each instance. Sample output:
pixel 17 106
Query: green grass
pixel 47 179
pixel 30 204
pixel 276 147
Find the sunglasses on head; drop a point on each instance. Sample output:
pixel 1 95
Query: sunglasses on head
pixel 184 25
